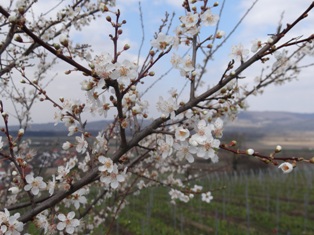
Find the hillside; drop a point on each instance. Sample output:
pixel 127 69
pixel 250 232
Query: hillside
pixel 279 122
pixel 262 129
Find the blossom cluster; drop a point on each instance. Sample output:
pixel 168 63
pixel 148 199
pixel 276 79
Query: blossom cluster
pixel 9 223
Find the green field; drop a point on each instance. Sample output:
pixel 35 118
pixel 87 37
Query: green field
pixel 261 202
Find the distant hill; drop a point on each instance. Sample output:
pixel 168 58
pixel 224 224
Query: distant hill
pixel 279 122
pixel 247 122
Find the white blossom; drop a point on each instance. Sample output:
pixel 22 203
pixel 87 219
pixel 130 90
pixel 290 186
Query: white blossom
pixel 162 41
pixel 34 184
pixel 68 222
pixel 182 133
pixel 165 146
pixel 81 144
pixel 239 52
pixel 189 20
pixel 207 197
pixel 208 18
pixel 184 150
pixel 107 164
pixel 286 167
pixel 124 72
pixel 114 178
pixel 10 224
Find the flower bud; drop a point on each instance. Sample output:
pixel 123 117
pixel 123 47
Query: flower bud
pixel 250 152
pixel 278 149
pixel 126 47
pixel 18 38
pixel 270 40
pixel 21 10
pixel 220 34
pixel 56 46
pixel 233 143
pixel 64 40
pixel 4 114
pixel 20 132
pixel 151 73
pixel 12 18
pixel 67 145
pixel 103 7
pixel 14 190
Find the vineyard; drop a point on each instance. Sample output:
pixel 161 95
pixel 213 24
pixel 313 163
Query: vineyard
pixel 253 202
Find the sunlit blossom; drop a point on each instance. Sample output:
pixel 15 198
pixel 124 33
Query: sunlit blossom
pixel 208 18
pixel 162 41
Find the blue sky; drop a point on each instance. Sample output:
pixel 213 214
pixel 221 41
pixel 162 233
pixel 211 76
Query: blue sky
pixel 263 20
